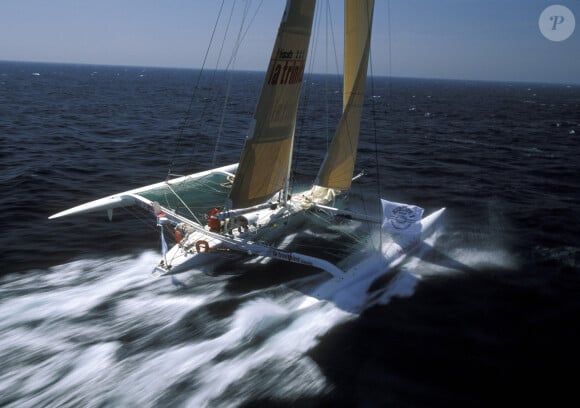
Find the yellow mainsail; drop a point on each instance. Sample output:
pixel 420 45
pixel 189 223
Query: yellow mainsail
pixel 337 169
pixel 266 157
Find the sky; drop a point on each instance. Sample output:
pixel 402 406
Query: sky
pixel 451 39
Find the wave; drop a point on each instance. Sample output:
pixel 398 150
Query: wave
pixel 101 331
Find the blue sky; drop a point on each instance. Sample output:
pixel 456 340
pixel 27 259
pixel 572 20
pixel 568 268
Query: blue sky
pixel 457 39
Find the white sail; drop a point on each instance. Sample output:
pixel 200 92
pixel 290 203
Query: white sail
pixel 266 157
pixel 338 166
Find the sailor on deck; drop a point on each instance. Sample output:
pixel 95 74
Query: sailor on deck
pixel 213 222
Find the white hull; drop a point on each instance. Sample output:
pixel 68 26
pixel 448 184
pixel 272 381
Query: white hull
pixel 203 247
pixel 363 269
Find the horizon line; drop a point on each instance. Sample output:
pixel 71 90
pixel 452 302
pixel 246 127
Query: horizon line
pixel 112 65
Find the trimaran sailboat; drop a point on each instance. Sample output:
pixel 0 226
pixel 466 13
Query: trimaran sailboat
pixel 248 201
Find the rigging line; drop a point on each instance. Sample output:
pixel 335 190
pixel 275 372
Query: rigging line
pixel 184 204
pixel 357 238
pixel 252 19
pixel 188 113
pixel 389 49
pixel 220 53
pixel 223 43
pixel 241 35
pixel 202 121
pixel 354 147
pixel 374 116
pixel 332 37
pixel 326 84
pixel 304 101
pixel 220 129
pixel 330 26
pixel 138 215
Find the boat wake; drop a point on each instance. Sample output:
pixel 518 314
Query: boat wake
pixel 101 332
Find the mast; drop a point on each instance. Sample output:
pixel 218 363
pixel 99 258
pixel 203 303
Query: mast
pixel 266 157
pixel 338 166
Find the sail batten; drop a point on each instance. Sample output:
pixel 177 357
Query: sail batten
pixel 265 160
pixel 338 166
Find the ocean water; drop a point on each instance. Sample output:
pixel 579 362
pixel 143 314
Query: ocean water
pixel 486 312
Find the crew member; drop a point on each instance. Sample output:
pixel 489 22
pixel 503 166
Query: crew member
pixel 213 222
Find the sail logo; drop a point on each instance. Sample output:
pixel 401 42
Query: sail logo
pixel 557 23
pixel 402 217
pixel 287 67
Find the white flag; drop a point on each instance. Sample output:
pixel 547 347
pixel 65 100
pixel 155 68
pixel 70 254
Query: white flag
pixel 401 218
pixel 163 243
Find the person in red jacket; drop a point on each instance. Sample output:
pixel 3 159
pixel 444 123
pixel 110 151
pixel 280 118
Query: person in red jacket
pixel 213 222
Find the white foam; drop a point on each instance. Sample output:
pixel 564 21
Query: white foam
pixel 262 346
pixel 402 285
pixel 82 361
pixel 281 352
pixel 75 288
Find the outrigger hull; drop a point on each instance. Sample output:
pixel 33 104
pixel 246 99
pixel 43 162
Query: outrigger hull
pixel 142 196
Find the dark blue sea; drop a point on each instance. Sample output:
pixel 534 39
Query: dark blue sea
pixel 488 315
